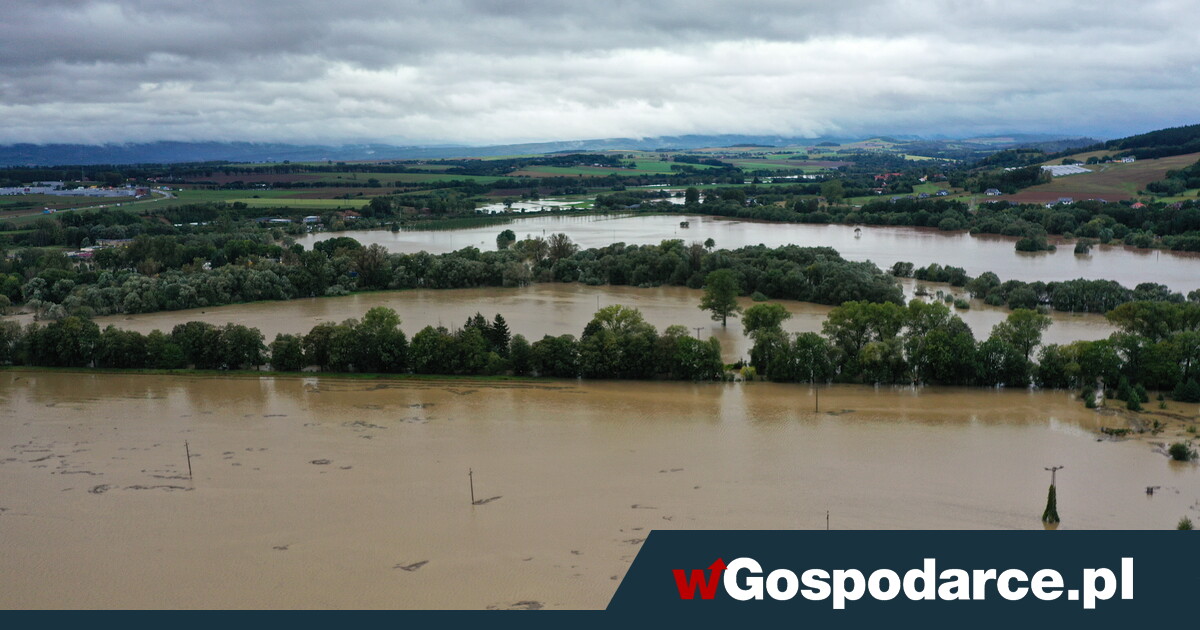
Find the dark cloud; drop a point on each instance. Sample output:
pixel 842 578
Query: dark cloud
pixel 490 71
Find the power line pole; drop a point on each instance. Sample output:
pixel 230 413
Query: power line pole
pixel 1053 472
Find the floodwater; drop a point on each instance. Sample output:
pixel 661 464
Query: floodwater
pixel 555 309
pixel 881 245
pixel 326 493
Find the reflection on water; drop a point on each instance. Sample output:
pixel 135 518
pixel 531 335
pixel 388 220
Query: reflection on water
pixel 882 245
pixel 311 492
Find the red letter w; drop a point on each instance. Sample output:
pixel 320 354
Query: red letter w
pixel 708 590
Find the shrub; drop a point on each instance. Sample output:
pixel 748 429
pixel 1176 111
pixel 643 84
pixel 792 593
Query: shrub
pixel 1187 392
pixel 1181 452
pixel 1185 523
pixel 758 296
pixel 1124 391
pixel 962 304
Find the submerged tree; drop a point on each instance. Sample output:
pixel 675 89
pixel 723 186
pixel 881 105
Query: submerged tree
pixel 720 295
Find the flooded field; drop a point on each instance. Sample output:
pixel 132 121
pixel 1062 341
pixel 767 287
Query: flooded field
pixel 881 245
pixel 316 493
pixel 555 309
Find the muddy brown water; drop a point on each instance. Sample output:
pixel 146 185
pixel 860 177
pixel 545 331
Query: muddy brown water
pixel 555 309
pixel 882 245
pixel 314 492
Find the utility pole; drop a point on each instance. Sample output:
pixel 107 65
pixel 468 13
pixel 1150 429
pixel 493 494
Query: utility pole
pixel 698 329
pixel 1050 515
pixel 471 477
pixel 817 403
pixel 188 451
pixel 826 520
pixel 1053 472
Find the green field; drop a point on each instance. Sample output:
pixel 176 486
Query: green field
pixel 387 179
pixel 1113 182
pixel 316 204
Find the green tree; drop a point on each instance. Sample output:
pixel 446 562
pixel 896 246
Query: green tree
pixel 431 351
pixel 720 295
pixel 382 346
pixel 1023 329
pixel 10 339
pixel 72 341
pixel 559 246
pixel 241 347
pixel 162 353
pixel 764 317
pixel 498 336
pixel 691 196
pixel 317 344
pixel 200 343
pixel 520 354
pixel 121 349
pixel 505 239
pixel 833 190
pixel 1187 391
pixel 287 353
pixel 373 267
pixel 556 356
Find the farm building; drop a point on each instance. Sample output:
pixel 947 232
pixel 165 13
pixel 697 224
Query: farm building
pixel 993 192
pixel 1059 170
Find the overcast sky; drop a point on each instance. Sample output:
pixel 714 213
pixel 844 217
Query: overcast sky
pixel 485 72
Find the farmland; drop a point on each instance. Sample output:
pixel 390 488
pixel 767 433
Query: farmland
pixel 1111 182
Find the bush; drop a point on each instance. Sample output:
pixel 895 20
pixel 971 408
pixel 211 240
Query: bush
pixel 1133 404
pixel 758 296
pixel 1185 523
pixel 1187 392
pixel 1124 391
pixel 1140 391
pixel 962 304
pixel 1181 452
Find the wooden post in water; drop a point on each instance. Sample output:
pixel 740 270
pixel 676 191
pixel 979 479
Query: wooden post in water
pixel 826 520
pixel 817 403
pixel 471 477
pixel 188 450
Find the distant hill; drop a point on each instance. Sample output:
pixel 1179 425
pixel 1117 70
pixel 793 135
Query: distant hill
pixel 1160 143
pixel 173 152
pixel 166 152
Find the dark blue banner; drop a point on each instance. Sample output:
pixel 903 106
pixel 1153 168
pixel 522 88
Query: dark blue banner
pixel 985 578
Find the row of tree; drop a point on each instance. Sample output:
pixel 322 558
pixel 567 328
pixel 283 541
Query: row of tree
pixel 616 344
pixel 1074 296
pixel 1157 347
pixel 339 265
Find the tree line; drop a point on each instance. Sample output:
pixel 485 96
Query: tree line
pixel 1157 347
pixel 1072 296
pixel 616 344
pixel 135 279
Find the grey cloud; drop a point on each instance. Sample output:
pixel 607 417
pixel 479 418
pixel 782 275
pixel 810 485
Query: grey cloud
pixel 490 71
